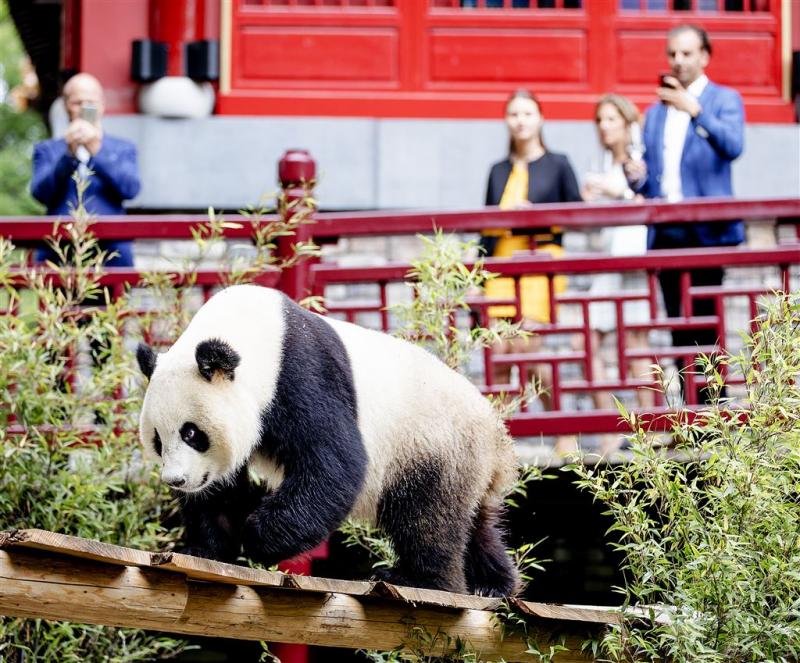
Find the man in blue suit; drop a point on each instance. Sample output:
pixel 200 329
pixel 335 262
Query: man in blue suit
pixel 86 148
pixel 692 135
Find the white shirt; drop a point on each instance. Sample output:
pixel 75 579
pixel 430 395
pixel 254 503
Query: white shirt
pixel 675 128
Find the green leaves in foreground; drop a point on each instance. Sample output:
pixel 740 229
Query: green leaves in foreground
pixel 52 476
pixel 442 285
pixel 710 528
pixel 66 366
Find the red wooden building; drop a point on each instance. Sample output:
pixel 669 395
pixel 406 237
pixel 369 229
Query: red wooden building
pixel 436 58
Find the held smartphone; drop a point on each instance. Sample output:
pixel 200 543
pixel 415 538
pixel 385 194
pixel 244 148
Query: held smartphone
pixel 662 81
pixel 89 113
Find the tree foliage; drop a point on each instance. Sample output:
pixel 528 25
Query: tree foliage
pixel 19 130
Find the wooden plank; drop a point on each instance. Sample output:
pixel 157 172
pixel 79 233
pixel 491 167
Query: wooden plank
pixel 341 620
pixel 199 568
pixel 416 595
pixel 580 613
pixel 87 591
pixel 411 595
pixel 74 547
pixel 327 585
pixel 37 583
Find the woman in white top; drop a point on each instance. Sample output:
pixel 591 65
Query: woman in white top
pixel 617 121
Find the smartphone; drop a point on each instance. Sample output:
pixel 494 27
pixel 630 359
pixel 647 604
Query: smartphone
pixel 89 113
pixel 662 81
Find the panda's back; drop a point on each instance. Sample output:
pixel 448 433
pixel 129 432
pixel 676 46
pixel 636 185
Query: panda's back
pixel 398 376
pixel 412 408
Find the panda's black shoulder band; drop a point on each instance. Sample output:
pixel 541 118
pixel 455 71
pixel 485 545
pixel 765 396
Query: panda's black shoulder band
pixel 216 356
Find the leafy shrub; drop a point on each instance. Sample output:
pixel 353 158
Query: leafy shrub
pixel 710 528
pixel 69 405
pixel 442 284
pixel 51 477
pixel 19 130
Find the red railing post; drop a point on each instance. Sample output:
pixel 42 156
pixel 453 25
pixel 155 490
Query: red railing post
pixel 297 172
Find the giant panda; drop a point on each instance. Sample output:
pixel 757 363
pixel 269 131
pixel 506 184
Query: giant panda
pixel 335 420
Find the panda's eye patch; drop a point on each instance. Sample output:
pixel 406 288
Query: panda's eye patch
pixel 194 437
pixel 157 443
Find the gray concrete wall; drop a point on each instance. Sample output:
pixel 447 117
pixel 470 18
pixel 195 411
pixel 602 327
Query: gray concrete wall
pixel 230 162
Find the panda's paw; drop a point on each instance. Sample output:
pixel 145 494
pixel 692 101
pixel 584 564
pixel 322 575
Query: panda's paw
pixel 208 553
pixel 253 542
pixel 491 592
pixel 392 577
pixel 195 551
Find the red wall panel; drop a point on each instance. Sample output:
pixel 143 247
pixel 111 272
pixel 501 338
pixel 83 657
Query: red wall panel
pixel 508 56
pixel 414 59
pixel 106 32
pixel 639 55
pixel 317 54
pixel 745 61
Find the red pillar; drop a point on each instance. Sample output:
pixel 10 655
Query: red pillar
pixel 174 22
pixel 297 172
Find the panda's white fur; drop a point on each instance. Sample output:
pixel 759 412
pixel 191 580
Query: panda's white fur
pixel 410 407
pixel 177 393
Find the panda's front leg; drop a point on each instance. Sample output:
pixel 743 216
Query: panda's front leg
pixel 311 502
pixel 214 519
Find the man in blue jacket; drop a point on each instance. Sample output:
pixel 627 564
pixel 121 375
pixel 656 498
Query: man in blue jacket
pixel 692 135
pixel 87 149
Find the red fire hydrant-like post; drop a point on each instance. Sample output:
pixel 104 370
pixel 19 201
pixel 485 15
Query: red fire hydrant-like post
pixel 297 173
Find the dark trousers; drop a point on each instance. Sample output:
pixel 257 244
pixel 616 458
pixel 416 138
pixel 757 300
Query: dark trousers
pixel 670 281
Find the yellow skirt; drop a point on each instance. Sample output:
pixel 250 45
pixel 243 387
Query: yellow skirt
pixel 534 293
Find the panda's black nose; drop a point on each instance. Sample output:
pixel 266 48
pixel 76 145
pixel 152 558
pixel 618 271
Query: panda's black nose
pixel 176 483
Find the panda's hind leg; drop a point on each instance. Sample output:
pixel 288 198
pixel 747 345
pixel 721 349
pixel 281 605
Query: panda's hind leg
pixel 490 570
pixel 429 523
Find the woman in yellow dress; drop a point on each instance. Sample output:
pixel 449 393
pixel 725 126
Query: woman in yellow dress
pixel 530 174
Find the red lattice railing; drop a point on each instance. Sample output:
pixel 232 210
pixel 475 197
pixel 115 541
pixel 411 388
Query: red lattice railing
pixel 574 330
pixel 566 345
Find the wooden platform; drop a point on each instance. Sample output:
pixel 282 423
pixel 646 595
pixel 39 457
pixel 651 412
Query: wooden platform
pixel 54 576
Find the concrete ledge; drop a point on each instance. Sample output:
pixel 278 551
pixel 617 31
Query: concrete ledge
pixel 230 162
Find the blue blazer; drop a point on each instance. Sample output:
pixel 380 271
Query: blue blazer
pixel 116 178
pixel 713 140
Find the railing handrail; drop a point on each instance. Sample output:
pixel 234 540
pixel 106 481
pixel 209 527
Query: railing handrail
pixel 567 215
pixel 723 256
pixel 398 222
pixel 268 275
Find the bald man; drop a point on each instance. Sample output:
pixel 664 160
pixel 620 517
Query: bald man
pixel 109 163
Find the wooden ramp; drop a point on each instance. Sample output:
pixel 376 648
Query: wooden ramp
pixel 54 576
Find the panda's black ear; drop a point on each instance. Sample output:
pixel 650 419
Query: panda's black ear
pixel 146 357
pixel 215 356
